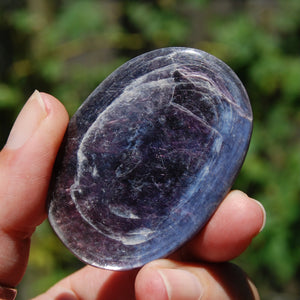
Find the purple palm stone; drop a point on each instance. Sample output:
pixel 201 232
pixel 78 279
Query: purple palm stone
pixel 148 157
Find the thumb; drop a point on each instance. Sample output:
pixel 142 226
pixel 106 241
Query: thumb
pixel 26 163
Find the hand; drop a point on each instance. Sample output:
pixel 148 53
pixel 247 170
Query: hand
pixel 199 268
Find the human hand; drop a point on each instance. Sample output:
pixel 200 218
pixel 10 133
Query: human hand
pixel 199 268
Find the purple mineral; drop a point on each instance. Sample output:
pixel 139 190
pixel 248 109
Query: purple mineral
pixel 148 157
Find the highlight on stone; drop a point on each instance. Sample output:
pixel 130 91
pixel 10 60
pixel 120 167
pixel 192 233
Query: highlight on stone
pixel 148 158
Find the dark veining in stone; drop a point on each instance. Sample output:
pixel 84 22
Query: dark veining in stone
pixel 148 157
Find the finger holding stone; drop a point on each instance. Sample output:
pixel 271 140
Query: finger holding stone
pixel 26 163
pixel 230 230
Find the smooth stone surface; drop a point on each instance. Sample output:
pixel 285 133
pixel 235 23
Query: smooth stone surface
pixel 148 157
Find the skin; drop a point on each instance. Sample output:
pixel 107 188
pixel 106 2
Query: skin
pixel 197 271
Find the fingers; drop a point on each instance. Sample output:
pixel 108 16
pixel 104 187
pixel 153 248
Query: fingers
pixel 25 168
pixel 230 230
pixel 159 280
pixel 170 280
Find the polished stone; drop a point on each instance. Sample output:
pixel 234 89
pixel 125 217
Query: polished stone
pixel 148 157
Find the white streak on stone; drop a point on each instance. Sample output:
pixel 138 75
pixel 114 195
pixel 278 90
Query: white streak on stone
pixel 123 212
pixel 136 237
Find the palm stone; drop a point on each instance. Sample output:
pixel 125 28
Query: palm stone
pixel 148 157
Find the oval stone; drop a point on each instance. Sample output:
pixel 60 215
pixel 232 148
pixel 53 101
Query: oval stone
pixel 148 158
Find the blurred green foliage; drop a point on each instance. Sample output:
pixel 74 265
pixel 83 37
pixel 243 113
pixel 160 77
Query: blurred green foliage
pixel 68 47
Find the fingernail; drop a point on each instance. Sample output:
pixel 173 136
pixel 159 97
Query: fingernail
pixel 181 284
pixel 27 122
pixel 264 215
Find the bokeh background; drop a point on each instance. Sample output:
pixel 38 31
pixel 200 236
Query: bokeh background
pixel 67 47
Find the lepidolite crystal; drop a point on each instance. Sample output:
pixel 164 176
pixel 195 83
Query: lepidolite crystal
pixel 148 157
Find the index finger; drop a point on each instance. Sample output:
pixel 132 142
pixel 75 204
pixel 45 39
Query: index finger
pixel 230 231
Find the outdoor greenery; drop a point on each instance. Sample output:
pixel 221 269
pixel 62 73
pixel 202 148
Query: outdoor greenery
pixel 68 47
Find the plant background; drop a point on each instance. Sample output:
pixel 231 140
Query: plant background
pixel 68 47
